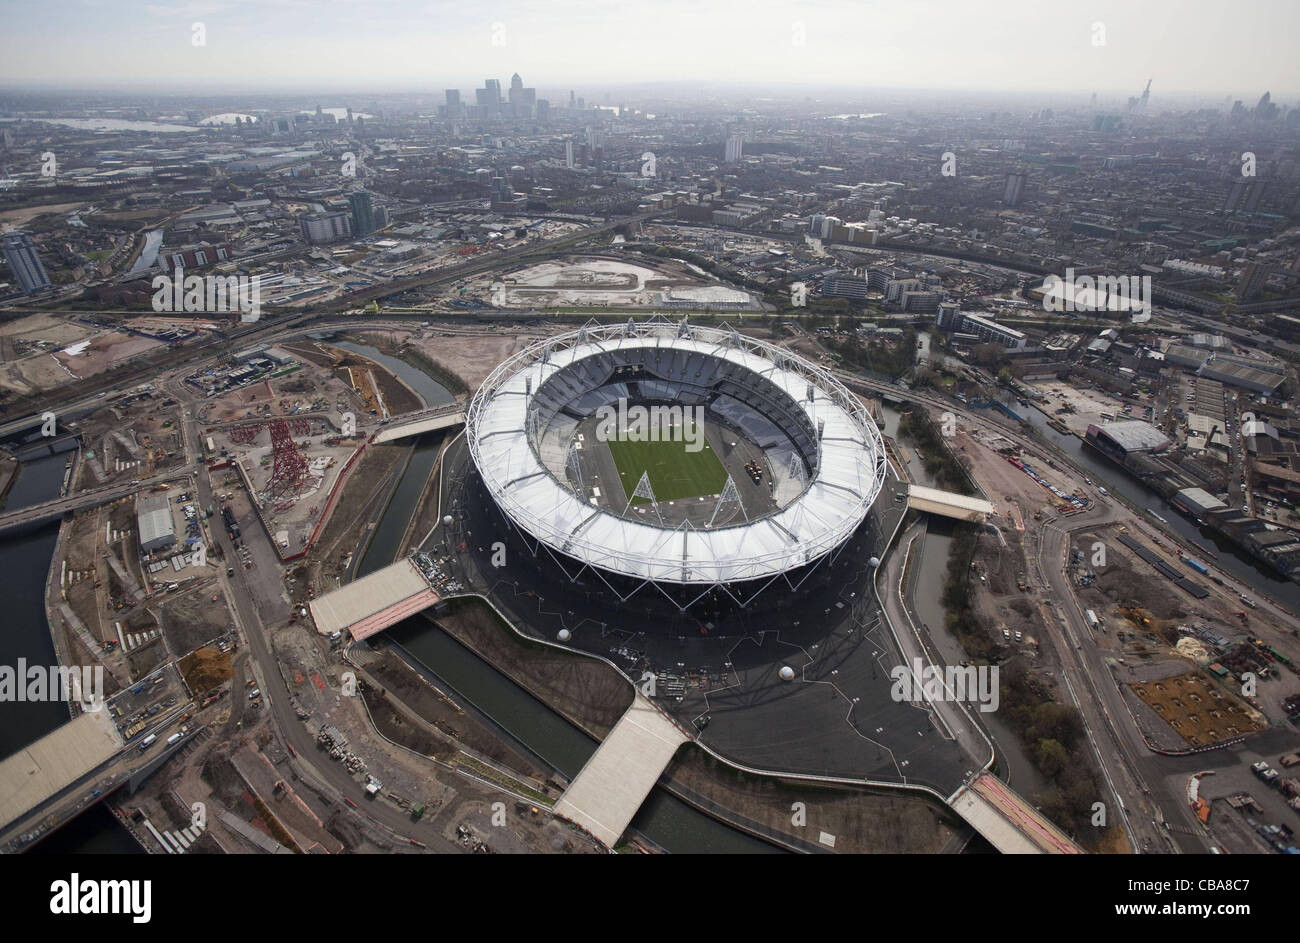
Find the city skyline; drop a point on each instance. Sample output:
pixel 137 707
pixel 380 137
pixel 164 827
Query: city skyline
pixel 1103 47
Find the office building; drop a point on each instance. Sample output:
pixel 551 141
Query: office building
pixel 1015 189
pixel 1253 277
pixel 363 214
pixel 488 98
pixel 523 101
pixel 735 149
pixel 986 330
pixel 837 285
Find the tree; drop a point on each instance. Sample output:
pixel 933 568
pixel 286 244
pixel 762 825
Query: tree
pixel 1051 757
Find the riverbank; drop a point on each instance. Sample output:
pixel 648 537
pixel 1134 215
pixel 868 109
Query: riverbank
pixel 593 696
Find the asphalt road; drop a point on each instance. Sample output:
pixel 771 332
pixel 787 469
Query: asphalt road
pixel 259 590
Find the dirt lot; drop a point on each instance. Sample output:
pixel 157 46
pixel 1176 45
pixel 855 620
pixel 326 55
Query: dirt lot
pixel 205 669
pixel 366 486
pixel 1083 406
pixel 191 618
pixel 127 442
pixel 1003 603
pixel 472 356
pixel 106 349
pixel 1127 580
pixel 1198 710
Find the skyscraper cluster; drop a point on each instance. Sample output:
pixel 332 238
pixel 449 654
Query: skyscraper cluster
pixel 489 103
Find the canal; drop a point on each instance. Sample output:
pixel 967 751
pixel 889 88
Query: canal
pixel 664 819
pixel 25 557
pixel 931 554
pixel 1227 556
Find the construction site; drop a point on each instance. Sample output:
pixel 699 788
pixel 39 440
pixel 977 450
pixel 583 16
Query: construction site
pixel 604 282
pixel 134 436
pixel 291 438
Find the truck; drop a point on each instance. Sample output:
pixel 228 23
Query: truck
pixel 147 742
pixel 173 738
pixel 1093 621
pixel 1196 565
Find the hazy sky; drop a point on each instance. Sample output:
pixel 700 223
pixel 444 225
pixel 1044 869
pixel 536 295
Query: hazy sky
pixel 1240 48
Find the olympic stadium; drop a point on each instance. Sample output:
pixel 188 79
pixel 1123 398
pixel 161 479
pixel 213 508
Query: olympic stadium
pixel 705 510
pixel 691 460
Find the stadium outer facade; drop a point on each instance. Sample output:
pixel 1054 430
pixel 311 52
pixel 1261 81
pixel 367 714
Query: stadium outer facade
pixel 840 454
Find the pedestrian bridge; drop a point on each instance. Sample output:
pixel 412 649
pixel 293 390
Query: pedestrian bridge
pixel 948 504
pixel 1007 820
pixel 428 420
pixel 374 602
pixel 51 776
pixel 609 790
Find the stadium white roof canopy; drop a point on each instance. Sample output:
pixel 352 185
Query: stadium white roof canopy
pixel 849 473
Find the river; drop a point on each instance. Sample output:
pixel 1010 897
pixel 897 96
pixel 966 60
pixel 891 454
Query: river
pixel 664 819
pixel 149 254
pixel 1222 551
pixel 25 557
pixel 934 550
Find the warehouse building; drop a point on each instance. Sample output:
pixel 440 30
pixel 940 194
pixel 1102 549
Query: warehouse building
pixel 1129 437
pixel 153 516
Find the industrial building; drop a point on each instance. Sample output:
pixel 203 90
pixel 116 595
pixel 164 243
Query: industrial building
pixel 1120 439
pixel 153 516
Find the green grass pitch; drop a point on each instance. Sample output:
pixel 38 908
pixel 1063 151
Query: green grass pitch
pixel 674 472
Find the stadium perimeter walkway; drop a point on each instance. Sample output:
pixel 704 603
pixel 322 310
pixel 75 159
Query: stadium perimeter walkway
pixel 620 774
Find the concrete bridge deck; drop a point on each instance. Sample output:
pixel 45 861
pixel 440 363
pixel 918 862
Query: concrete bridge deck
pixel 948 504
pixel 610 788
pixel 1007 820
pixel 87 499
pixel 374 602
pixel 430 420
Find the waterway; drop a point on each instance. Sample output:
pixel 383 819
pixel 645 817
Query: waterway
pixel 25 557
pixel 1115 479
pixel 149 254
pixel 25 560
pixel 111 124
pixel 664 819
pixel 431 391
pixel 934 550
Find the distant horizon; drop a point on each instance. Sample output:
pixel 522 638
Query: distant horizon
pixel 614 94
pixel 1206 48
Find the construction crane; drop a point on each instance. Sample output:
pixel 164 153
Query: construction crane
pixel 1140 104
